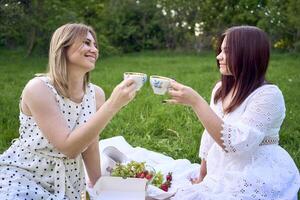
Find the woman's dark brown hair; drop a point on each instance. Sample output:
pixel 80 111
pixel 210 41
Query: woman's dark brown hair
pixel 247 55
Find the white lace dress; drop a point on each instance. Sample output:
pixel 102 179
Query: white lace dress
pixel 33 169
pixel 254 166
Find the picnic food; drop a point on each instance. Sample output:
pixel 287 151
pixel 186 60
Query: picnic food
pixel 158 181
pixel 135 169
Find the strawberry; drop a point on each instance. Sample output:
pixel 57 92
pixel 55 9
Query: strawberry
pixel 164 187
pixel 149 176
pixel 138 175
pixel 142 175
pixel 168 183
pixel 169 177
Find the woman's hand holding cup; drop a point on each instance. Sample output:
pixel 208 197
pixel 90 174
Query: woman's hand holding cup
pixel 181 94
pixel 139 78
pixel 123 94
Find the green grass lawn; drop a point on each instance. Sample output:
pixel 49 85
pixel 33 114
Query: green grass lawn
pixel 146 122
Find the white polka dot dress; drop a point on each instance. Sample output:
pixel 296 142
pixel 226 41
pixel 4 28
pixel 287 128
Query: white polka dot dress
pixel 33 169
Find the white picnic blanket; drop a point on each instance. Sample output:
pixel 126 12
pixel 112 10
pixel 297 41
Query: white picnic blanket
pixel 183 170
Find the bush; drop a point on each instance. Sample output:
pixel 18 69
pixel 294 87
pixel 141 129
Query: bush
pixel 297 46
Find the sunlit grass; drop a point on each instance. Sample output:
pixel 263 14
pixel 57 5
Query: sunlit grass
pixel 147 122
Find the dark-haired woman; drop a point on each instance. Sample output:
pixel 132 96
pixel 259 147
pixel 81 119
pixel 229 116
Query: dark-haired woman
pixel 241 158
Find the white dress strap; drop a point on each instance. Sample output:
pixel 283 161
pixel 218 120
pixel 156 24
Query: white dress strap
pixel 47 81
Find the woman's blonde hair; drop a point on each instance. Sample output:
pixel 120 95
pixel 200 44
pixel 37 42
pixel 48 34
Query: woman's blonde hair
pixel 61 40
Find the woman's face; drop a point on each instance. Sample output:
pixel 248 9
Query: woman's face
pixel 224 70
pixel 83 54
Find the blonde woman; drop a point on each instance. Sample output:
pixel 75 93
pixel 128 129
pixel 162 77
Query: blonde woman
pixel 61 116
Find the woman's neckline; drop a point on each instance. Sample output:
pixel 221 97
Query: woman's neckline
pixel 67 98
pixel 74 102
pixel 251 94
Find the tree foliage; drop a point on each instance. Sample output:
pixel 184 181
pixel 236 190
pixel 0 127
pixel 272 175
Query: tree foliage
pixel 135 25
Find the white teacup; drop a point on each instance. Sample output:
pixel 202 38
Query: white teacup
pixel 139 78
pixel 159 84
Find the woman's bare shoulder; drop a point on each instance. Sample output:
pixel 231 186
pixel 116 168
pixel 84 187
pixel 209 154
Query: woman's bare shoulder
pixel 35 89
